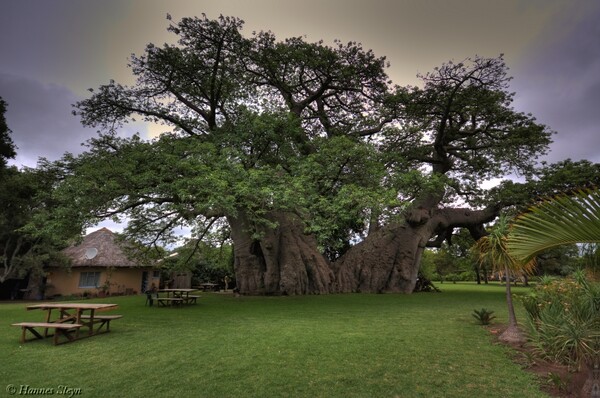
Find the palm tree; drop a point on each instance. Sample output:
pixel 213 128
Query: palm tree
pixel 492 250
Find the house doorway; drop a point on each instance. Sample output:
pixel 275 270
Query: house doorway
pixel 144 281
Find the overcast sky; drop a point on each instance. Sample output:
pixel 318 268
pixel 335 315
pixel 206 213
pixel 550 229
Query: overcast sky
pixel 52 51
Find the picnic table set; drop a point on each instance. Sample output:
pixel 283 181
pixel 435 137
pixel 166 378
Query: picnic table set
pixel 172 297
pixel 66 322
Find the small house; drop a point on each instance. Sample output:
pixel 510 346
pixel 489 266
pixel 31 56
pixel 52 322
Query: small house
pixel 100 266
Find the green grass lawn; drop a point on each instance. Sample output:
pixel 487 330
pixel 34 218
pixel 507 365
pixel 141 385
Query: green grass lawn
pixel 352 345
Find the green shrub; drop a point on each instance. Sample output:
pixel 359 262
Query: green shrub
pixel 467 276
pixel 562 320
pixel 547 279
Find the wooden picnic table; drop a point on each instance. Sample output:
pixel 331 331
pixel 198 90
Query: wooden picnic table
pixel 177 296
pixel 69 319
pixel 208 286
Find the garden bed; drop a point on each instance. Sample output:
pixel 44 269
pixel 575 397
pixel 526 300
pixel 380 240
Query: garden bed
pixel 555 379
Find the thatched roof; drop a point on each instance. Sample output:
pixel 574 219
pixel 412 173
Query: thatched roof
pixel 99 249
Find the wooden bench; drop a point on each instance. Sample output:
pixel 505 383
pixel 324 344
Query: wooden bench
pixel 102 320
pixel 164 301
pixel 60 329
pixel 191 299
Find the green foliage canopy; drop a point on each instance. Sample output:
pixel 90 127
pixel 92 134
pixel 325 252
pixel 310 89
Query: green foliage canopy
pixel 260 125
pixel 7 147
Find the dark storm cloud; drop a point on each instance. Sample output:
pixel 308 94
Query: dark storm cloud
pixel 60 48
pixel 60 41
pixel 561 86
pixel 40 118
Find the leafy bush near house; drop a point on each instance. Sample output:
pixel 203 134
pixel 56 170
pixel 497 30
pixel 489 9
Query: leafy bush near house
pixel 563 319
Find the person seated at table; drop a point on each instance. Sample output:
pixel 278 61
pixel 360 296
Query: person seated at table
pixel 151 294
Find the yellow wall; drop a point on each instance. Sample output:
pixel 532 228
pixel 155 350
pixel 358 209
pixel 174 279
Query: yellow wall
pixel 121 280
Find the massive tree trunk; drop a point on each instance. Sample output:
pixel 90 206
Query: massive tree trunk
pixel 285 260
pixel 280 260
pixel 388 260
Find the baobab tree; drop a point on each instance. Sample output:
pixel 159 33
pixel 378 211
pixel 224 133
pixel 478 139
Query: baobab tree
pixel 299 150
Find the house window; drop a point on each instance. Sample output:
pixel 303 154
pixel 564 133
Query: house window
pixel 156 274
pixel 89 279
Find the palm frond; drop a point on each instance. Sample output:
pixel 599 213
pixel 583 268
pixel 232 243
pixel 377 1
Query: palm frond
pixel 558 221
pixel 492 250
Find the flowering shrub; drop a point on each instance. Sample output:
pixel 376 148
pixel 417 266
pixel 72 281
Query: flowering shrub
pixel 563 320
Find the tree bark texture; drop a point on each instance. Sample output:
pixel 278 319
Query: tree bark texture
pixel 387 261
pixel 513 333
pixel 278 261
